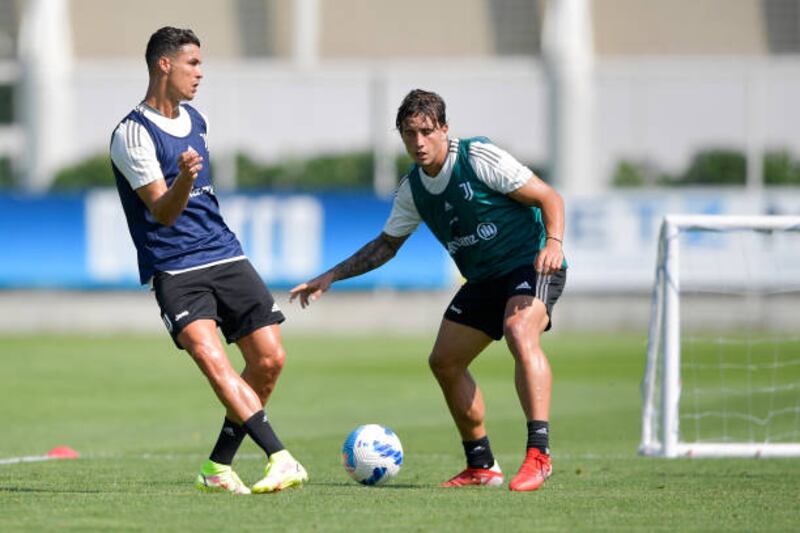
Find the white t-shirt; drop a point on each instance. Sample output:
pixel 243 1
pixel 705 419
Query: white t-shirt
pixel 495 167
pixel 133 151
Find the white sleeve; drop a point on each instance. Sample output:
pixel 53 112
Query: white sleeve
pixel 404 218
pixel 134 154
pixel 497 168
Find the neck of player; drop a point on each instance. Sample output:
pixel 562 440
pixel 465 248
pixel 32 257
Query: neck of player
pixel 159 99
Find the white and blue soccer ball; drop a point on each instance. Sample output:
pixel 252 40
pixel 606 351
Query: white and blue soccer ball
pixel 372 454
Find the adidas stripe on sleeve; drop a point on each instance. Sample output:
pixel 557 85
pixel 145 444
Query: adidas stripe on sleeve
pixel 134 154
pixel 497 168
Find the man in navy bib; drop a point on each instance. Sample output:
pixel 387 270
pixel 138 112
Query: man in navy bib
pixel 503 227
pixel 194 262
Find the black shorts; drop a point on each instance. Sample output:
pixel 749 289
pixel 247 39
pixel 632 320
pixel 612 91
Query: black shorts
pixel 482 304
pixel 232 294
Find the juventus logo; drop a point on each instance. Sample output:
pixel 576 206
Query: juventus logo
pixel 467 188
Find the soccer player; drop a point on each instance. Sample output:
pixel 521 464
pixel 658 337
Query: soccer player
pixel 194 262
pixel 504 229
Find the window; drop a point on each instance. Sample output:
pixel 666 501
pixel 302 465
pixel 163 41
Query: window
pixel 782 19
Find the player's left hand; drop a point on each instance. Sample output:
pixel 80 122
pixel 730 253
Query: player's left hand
pixel 311 290
pixel 550 258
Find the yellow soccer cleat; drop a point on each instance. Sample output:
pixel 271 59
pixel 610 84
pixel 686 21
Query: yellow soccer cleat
pixel 282 471
pixel 214 477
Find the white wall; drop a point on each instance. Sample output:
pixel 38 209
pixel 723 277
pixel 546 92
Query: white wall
pixel 660 110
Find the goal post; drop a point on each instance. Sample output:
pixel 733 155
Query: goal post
pixel 722 374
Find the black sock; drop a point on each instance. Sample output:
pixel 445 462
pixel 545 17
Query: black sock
pixel 230 437
pixel 539 435
pixel 479 453
pixel 261 431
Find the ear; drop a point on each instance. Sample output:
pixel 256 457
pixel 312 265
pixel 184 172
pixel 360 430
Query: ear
pixel 445 128
pixel 164 64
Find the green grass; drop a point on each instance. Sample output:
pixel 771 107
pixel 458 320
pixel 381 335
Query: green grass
pixel 144 419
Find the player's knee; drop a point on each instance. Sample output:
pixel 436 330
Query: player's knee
pixel 433 363
pixel 273 360
pixel 519 331
pixel 441 365
pixel 210 358
pixel 515 327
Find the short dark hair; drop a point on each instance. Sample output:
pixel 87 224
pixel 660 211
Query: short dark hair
pixel 420 102
pixel 167 41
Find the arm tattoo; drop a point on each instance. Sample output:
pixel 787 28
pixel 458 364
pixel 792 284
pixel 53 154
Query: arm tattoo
pixel 372 255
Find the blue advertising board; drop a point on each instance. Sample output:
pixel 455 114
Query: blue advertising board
pixel 82 241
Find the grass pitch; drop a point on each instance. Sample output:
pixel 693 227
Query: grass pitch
pixel 144 419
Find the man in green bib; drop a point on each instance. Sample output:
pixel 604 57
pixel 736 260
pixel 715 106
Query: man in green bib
pixel 504 228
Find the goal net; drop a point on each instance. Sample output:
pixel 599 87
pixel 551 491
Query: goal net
pixel 722 376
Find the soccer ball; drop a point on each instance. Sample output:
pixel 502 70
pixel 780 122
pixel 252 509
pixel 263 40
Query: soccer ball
pixel 372 454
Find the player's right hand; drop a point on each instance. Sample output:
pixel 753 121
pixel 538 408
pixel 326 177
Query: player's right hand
pixel 311 290
pixel 190 164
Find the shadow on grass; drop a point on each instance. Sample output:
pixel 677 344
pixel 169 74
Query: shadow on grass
pixel 352 485
pixel 50 491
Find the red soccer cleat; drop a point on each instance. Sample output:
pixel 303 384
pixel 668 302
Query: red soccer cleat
pixel 535 469
pixel 492 477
